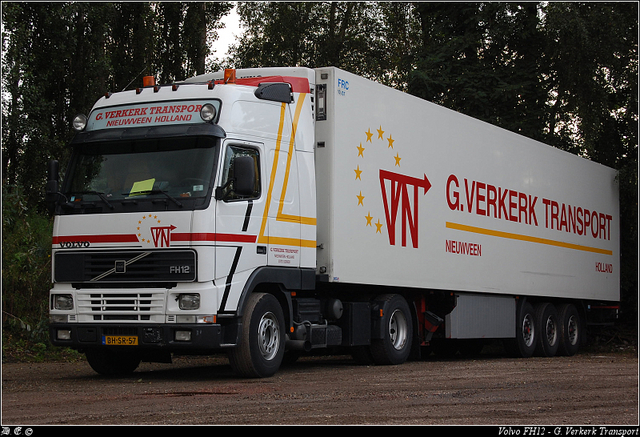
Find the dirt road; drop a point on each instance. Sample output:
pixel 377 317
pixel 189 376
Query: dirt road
pixel 587 389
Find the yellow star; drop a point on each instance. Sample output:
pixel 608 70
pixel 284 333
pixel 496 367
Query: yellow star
pixel 391 140
pixel 358 172
pixel 360 199
pixel 380 132
pixel 397 158
pixel 369 134
pixel 369 218
pixel 361 150
pixel 378 227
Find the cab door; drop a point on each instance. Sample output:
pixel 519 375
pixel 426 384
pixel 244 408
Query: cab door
pixel 238 219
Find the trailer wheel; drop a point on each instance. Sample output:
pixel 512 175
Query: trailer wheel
pixel 548 330
pixel 570 333
pixel 524 344
pixel 395 346
pixel 260 348
pixel 108 362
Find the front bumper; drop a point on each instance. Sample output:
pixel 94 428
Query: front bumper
pixel 202 337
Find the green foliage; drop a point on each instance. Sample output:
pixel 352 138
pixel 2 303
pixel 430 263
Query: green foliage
pixel 372 39
pixel 26 266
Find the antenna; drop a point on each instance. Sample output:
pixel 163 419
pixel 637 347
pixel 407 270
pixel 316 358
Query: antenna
pixel 132 80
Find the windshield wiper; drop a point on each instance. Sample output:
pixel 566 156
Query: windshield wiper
pixel 99 194
pixel 173 199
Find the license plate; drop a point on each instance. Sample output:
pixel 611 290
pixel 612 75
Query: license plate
pixel 120 340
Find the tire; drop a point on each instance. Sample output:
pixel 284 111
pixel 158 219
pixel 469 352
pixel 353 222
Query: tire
pixel 548 338
pixel 260 349
pixel 109 362
pixel 395 346
pixel 524 344
pixel 570 332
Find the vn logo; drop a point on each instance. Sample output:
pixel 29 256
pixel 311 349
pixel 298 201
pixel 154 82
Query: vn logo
pixel 398 200
pixel 400 192
pixel 160 235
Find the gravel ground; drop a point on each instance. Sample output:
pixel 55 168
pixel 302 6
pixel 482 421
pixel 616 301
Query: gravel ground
pixel 586 389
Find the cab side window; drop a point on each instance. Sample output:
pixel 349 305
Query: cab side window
pixel 228 173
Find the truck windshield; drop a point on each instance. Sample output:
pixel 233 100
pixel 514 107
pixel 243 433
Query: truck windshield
pixel 158 174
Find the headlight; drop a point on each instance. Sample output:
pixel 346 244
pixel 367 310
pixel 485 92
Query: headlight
pixel 208 112
pixel 80 122
pixel 62 302
pixel 189 301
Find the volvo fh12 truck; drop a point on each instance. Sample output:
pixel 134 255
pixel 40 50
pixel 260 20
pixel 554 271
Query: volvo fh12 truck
pixel 268 211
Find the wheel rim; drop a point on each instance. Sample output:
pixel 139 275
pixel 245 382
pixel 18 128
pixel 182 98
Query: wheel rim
pixel 268 336
pixel 398 329
pixel 527 330
pixel 551 331
pixel 572 329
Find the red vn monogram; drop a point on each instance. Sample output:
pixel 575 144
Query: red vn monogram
pixel 400 194
pixel 161 235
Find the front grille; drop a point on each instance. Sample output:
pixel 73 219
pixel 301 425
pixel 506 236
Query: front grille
pixel 126 266
pixel 117 306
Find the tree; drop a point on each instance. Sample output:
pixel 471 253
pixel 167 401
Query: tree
pixel 592 51
pixel 348 35
pixel 482 59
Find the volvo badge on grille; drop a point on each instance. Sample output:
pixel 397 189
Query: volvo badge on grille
pixel 121 266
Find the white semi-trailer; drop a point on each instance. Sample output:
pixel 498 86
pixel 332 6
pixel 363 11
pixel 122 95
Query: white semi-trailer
pixel 274 209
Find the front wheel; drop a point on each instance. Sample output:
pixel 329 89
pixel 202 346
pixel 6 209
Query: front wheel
pixel 260 350
pixel 395 345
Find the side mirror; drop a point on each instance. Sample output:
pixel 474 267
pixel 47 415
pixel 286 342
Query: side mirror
pixel 244 181
pixel 245 175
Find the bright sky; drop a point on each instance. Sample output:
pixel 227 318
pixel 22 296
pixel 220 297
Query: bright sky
pixel 228 34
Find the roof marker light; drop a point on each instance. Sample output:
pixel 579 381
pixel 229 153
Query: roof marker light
pixel 148 81
pixel 229 75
